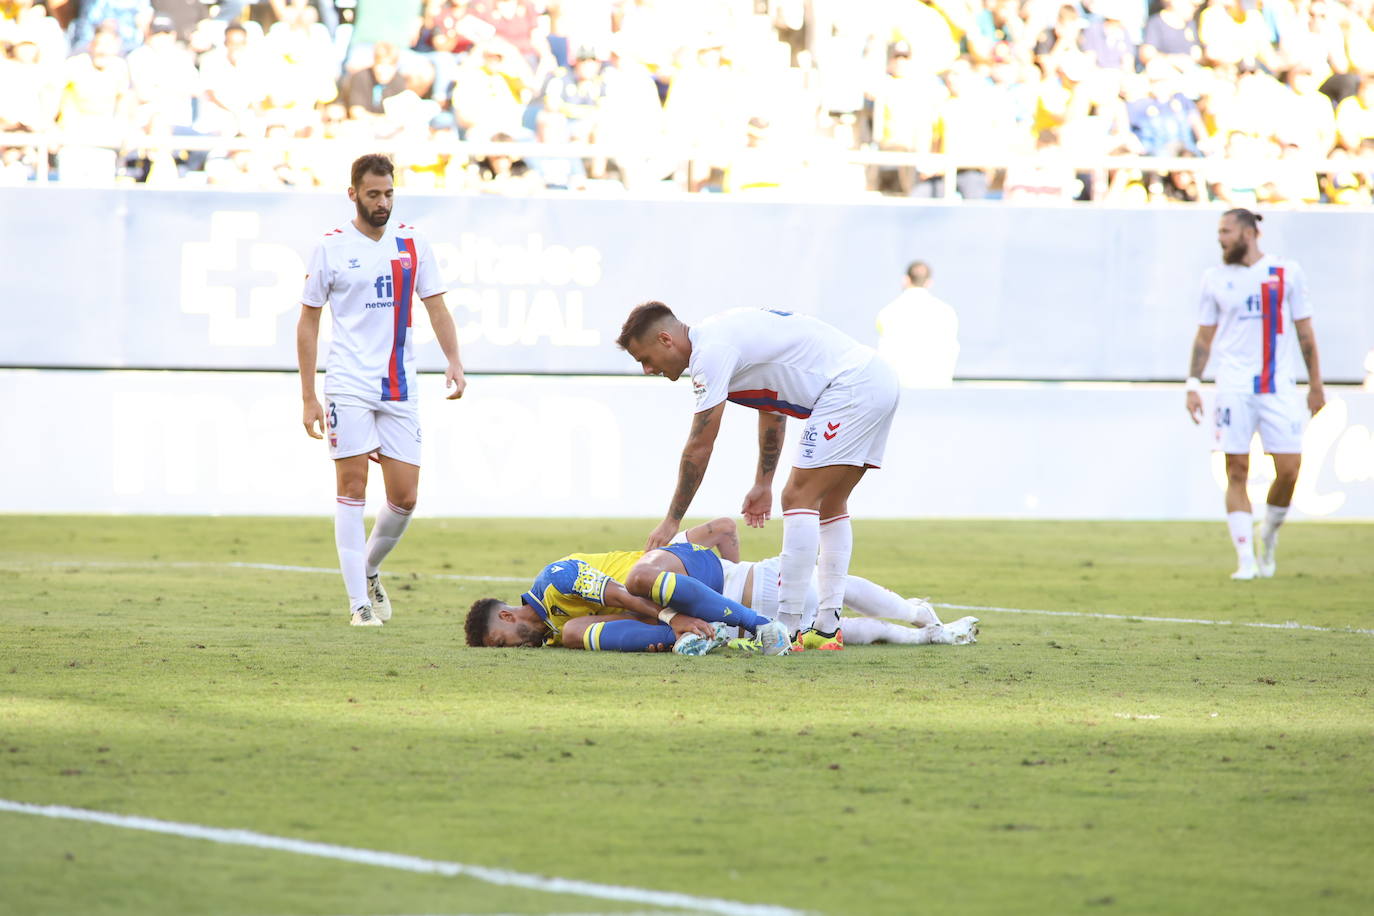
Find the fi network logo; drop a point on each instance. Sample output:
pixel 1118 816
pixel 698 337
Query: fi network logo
pixel 241 284
pixel 383 287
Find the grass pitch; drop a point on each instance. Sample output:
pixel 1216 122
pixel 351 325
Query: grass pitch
pixel 1063 764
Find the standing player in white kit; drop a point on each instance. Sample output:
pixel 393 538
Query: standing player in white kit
pixel 782 365
pixel 370 272
pixel 1255 307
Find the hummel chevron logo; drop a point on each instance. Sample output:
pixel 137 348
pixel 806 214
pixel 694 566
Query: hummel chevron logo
pixel 831 434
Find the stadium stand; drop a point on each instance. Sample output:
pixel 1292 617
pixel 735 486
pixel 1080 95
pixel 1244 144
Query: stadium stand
pixel 1242 101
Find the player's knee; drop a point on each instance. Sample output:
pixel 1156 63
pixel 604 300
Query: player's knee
pixel 404 501
pixel 1237 473
pixel 640 579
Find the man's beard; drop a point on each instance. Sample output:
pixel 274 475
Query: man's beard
pixel 375 218
pixel 1235 255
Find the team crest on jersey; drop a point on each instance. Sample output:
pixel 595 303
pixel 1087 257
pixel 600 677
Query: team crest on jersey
pixel 403 257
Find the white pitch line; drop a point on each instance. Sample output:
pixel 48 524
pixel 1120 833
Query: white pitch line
pixel 499 876
pixel 1290 625
pixel 277 567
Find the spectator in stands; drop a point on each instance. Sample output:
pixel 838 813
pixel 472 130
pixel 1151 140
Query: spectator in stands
pixel 632 115
pixel 28 90
pixel 502 173
pixel 29 22
pixel 235 87
pixel 1107 41
pixel 1355 115
pixel 571 101
pixel 491 90
pixel 1049 178
pixel 906 112
pixel 974 119
pixel 128 18
pixel 1171 36
pixel 1165 121
pixel 1232 34
pixel 14 169
pixel 1315 41
pixel 1347 186
pixel 165 81
pixel 1308 119
pixel 514 21
pixel 1181 186
pixel 1062 37
pixel 1238 183
pixel 703 109
pixel 365 90
pixel 395 22
pixel 94 110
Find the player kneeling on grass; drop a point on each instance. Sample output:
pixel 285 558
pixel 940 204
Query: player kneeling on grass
pixel 567 620
pixel 672 596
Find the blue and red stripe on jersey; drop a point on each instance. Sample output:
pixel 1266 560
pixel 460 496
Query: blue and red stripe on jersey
pixel 396 387
pixel 1271 304
pixel 767 400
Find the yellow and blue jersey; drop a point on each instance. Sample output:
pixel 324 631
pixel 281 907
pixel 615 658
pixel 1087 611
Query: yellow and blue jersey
pixel 575 585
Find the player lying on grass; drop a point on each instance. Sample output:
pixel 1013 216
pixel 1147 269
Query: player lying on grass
pixel 575 623
pixel 670 595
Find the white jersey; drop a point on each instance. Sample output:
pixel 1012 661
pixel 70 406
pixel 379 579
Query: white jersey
pixel 1253 308
pixel 370 287
pixel 770 360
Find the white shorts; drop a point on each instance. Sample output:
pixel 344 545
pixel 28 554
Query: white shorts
pixel 1279 417
pixel 851 420
pixel 357 426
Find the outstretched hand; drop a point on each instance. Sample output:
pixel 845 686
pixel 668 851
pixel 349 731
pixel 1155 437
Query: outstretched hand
pixel 758 505
pixel 662 534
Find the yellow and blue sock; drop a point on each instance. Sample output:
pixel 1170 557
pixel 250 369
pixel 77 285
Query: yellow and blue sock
pixel 692 597
pixel 626 636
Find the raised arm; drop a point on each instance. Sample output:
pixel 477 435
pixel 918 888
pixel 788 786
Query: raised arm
pixel 1307 340
pixel 1202 349
pixel 696 455
pixel 758 502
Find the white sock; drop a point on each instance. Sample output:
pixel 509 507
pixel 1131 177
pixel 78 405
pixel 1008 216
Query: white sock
pixel 800 541
pixel 350 538
pixel 872 600
pixel 1242 525
pixel 1273 518
pixel 793 622
pixel 863 631
pixel 832 568
pixel 386 531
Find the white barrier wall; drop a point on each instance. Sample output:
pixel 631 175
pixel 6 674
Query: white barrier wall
pixel 232 443
pixel 150 279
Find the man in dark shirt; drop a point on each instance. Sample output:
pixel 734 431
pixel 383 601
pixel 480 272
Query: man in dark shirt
pixel 365 90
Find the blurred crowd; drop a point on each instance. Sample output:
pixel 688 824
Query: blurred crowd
pixel 1030 97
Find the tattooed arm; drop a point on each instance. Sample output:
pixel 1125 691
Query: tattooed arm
pixel 696 454
pixel 1202 349
pixel 1307 340
pixel 758 502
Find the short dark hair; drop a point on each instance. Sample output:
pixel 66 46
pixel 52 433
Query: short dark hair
pixel 479 619
pixel 918 272
pixel 372 164
pixel 642 317
pixel 1246 218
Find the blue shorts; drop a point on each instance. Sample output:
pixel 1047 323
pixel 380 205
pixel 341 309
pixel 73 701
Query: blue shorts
pixel 701 564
